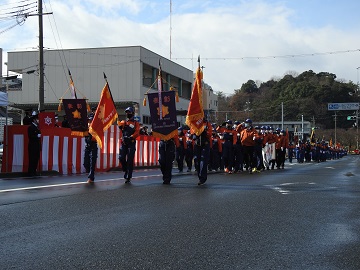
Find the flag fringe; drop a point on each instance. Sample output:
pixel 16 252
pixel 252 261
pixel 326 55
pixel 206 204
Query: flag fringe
pixel 96 136
pixel 165 137
pixel 79 133
pixel 110 122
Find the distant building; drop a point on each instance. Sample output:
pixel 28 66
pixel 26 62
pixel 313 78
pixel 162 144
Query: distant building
pixel 210 102
pixel 302 129
pixel 131 72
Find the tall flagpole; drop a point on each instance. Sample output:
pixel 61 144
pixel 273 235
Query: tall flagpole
pixel 170 25
pixel 159 81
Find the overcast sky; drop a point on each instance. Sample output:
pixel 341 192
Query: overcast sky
pixel 236 40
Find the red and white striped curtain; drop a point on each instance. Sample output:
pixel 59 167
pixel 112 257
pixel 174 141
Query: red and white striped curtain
pixel 64 153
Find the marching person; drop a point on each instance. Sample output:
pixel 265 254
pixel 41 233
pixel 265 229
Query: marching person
pixel 189 152
pixel 34 146
pixel 238 148
pixel 130 131
pixel 229 137
pixel 202 152
pixel 259 138
pixel 91 152
pixel 215 156
pixel 247 137
pixel 180 149
pixel 280 149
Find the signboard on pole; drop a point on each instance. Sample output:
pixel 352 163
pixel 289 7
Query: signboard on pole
pixel 343 106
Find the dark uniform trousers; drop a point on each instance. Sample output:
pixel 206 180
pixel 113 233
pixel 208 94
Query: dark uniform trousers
pixel 228 152
pixel 189 154
pixel 238 157
pixel 127 151
pixel 34 148
pixel 180 153
pixel 166 158
pixel 201 155
pixel 90 156
pixel 126 157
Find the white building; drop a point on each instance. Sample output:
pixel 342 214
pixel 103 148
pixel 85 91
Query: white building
pixel 131 72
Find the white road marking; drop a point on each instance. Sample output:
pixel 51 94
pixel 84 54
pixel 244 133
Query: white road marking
pixel 71 184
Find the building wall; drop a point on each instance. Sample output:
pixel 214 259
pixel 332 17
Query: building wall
pixel 130 72
pixel 1 63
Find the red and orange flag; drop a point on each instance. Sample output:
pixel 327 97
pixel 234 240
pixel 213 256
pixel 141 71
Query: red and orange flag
pixel 195 114
pixel 104 116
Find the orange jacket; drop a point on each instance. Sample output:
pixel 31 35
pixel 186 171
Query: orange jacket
pixel 131 127
pixel 280 142
pixel 247 136
pixel 182 141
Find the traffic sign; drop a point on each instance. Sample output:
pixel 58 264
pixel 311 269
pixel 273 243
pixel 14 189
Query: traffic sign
pixel 343 106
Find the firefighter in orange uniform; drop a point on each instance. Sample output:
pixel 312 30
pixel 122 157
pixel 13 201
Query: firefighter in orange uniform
pixel 280 149
pixel 130 131
pixel 247 140
pixel 202 152
pixel 181 149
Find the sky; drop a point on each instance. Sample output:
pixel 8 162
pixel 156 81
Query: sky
pixel 237 40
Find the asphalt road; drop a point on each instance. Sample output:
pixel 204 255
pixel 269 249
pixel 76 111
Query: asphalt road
pixel 304 217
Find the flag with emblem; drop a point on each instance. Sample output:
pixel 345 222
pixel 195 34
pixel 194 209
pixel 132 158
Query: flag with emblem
pixel 105 114
pixel 163 119
pixel 75 110
pixel 195 114
pixel 46 120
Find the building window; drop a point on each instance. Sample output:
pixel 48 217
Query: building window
pixel 146 120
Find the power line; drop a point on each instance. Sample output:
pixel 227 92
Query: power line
pixel 271 56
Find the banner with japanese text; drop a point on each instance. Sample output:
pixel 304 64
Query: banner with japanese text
pixel 76 113
pixel 164 127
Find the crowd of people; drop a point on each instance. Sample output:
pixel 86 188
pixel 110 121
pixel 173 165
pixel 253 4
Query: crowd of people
pixel 231 147
pixel 238 147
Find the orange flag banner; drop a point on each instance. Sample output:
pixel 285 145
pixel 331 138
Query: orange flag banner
pixel 104 116
pixel 195 114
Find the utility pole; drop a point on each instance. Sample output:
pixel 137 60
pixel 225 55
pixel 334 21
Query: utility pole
pixel 170 26
pixel 41 54
pixel 282 115
pixel 335 119
pixel 41 58
pixel 357 129
pixel 302 127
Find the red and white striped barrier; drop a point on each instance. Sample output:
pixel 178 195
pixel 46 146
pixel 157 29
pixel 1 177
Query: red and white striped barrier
pixel 64 153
